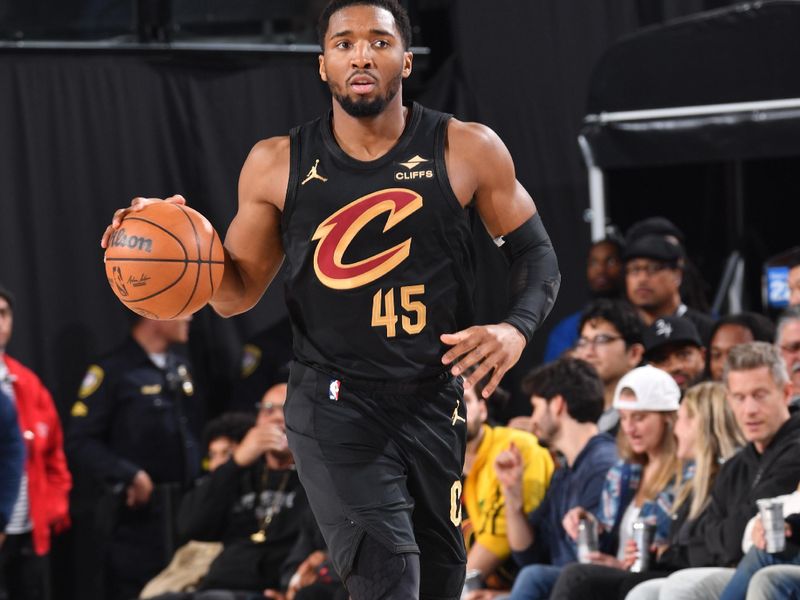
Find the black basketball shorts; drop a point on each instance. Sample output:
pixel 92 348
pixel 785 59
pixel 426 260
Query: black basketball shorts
pixel 383 459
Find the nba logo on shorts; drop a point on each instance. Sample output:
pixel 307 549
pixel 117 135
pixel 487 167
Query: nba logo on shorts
pixel 333 389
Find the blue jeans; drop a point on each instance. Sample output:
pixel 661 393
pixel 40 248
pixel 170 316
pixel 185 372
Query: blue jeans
pixel 535 582
pixel 754 560
pixel 777 581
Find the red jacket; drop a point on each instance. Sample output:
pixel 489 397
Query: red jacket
pixel 49 480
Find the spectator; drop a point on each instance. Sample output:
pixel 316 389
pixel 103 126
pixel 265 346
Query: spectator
pixel 611 341
pixel 308 573
pixel 733 330
pixel 758 392
pixel 604 276
pixel 487 541
pixel 794 283
pixel 673 345
pixel 132 431
pixel 654 265
pixel 566 396
pixel 224 434
pixel 788 341
pixel 12 460
pixel 757 559
pixel 253 504
pixel 192 560
pixel 639 485
pixel 707 435
pixel 42 503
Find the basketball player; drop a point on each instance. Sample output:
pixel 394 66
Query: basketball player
pixel 366 204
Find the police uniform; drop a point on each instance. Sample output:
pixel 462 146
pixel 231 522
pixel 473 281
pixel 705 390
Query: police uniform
pixel 380 263
pixel 265 360
pixel 133 415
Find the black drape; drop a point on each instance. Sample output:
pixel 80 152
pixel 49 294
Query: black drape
pixel 81 133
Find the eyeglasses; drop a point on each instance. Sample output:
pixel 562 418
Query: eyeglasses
pixel 599 340
pixel 650 268
pixel 791 348
pixel 268 407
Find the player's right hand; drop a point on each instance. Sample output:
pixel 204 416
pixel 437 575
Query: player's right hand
pixel 137 204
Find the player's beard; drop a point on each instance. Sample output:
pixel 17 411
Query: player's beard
pixel 362 107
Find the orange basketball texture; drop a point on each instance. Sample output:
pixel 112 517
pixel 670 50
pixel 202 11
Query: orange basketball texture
pixel 165 261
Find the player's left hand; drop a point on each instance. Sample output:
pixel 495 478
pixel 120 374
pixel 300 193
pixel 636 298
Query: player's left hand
pixel 491 347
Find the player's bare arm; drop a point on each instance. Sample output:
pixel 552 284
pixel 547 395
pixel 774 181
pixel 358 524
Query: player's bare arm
pixel 481 169
pixel 253 249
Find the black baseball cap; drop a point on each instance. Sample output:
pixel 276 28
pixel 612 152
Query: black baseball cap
pixel 655 246
pixel 654 225
pixel 667 331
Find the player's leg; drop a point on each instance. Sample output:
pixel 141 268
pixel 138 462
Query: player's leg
pixel 379 574
pixel 435 484
pixel 355 479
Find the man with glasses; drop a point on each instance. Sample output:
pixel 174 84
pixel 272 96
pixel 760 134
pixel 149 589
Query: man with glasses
pixel 611 341
pixel 787 340
pixel 673 344
pixel 605 279
pixel 253 504
pixel 653 275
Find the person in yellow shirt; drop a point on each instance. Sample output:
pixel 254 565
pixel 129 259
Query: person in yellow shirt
pixel 485 530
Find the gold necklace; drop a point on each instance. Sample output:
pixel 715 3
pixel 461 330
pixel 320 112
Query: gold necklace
pixel 260 536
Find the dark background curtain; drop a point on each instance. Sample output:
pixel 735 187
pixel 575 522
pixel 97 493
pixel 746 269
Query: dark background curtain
pixel 81 133
pixel 84 132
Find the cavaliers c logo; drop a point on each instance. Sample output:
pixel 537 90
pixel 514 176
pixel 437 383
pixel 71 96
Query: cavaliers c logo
pixel 338 230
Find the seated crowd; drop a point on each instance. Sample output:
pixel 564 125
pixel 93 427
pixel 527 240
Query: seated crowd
pixel 653 432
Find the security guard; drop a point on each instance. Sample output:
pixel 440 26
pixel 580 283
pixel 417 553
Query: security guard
pixel 265 360
pixel 132 430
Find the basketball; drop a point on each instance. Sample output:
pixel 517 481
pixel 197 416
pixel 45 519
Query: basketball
pixel 165 261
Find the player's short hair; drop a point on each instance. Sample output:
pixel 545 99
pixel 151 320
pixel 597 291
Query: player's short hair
pixel 619 313
pixel 231 425
pixel 399 13
pixel 574 380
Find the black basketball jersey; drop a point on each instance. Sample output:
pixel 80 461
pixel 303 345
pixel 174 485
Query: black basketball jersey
pixel 379 253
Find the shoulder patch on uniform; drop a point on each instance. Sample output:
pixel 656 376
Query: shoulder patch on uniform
pixel 251 358
pixel 91 381
pixel 79 409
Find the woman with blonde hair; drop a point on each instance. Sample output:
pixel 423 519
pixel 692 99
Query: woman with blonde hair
pixel 706 435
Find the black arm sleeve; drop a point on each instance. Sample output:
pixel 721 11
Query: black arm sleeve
pixel 534 275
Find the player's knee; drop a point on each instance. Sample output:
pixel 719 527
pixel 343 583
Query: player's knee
pixel 379 574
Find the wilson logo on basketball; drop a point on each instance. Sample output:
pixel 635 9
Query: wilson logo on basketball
pixel 120 239
pixel 337 232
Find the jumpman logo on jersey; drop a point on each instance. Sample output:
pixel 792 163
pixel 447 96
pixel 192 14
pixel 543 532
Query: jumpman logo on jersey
pixel 312 174
pixel 456 416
